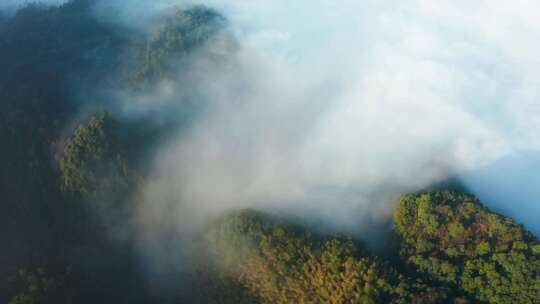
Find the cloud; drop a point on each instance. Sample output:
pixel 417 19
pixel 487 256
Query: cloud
pixel 331 109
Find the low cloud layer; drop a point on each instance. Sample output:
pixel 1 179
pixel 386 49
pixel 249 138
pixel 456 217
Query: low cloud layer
pixel 326 103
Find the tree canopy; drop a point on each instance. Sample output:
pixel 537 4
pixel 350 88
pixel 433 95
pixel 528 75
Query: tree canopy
pixel 280 262
pixel 180 34
pixel 455 239
pixel 93 158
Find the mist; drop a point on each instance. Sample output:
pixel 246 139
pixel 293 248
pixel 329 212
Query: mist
pixel 329 110
pixel 12 5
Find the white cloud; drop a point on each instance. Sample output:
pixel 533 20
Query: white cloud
pixel 328 102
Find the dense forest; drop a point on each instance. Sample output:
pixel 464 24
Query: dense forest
pixel 71 163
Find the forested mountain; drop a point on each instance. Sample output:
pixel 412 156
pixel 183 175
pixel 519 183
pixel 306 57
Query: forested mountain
pixel 72 164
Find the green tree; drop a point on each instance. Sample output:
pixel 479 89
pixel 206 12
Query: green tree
pixel 178 36
pixel 93 160
pixel 453 238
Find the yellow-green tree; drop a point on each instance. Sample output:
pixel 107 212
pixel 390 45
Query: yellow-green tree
pixel 281 263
